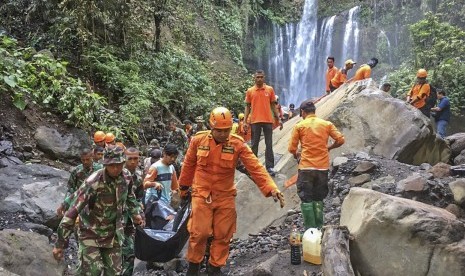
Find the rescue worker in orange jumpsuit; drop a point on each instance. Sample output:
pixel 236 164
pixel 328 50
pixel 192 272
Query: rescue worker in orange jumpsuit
pixel 420 92
pixel 209 168
pixel 364 72
pixel 330 73
pixel 99 138
pixel 341 76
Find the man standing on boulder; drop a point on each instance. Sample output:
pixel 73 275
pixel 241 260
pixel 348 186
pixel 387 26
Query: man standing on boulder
pixel 419 93
pixel 341 76
pixel 364 72
pixel 330 73
pixel 312 182
pixel 100 205
pixel 260 102
pixel 209 169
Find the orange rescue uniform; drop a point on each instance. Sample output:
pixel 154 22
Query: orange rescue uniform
pixel 209 168
pixel 339 78
pixel 260 100
pixel 313 134
pixel 363 72
pixel 419 93
pixel 330 73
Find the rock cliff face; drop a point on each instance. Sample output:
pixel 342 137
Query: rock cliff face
pixel 371 121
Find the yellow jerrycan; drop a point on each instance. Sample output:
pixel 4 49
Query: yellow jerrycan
pixel 311 244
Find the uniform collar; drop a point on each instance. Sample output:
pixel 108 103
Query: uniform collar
pixel 310 116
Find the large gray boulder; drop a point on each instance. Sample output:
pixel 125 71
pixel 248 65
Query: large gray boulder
pixel 457 143
pixel 375 122
pixel 403 237
pixel 36 190
pixel 371 121
pixel 28 254
pixel 62 146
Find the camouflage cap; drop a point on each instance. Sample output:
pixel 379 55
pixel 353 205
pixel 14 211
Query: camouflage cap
pixel 199 119
pixel 113 155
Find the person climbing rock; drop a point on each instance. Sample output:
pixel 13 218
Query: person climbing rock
pixel 312 181
pixel 100 205
pixel 330 73
pixel 341 76
pixel 364 72
pixel 260 102
pixel 419 93
pixel 209 169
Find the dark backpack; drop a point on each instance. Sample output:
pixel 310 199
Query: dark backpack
pixel 432 99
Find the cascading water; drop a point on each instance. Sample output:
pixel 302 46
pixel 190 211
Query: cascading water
pixel 382 34
pixel 351 31
pixel 297 57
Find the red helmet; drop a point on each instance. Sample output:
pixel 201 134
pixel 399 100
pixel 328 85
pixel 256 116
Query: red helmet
pixel 99 136
pixel 220 118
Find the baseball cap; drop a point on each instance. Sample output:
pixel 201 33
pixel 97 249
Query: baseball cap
pixel 349 61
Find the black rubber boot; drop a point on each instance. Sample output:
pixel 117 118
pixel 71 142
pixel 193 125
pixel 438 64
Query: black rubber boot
pixel 193 269
pixel 213 270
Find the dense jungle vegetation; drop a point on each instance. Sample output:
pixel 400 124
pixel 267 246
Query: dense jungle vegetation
pixel 109 64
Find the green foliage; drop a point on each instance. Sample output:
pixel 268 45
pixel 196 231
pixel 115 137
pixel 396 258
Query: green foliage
pixel 438 47
pixel 44 80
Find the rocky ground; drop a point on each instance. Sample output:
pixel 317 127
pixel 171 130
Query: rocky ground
pixel 266 252
pixel 253 255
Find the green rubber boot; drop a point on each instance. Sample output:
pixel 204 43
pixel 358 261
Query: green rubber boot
pixel 318 211
pixel 308 214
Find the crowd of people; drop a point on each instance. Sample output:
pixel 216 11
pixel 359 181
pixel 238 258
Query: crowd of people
pixel 112 191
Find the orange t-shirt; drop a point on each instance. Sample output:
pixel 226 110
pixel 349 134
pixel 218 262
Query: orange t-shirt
pixel 312 133
pixel 418 93
pixel 260 100
pixel 339 78
pixel 330 73
pixel 363 72
pixel 209 167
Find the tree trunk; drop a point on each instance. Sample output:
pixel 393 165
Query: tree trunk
pixel 158 20
pixel 335 251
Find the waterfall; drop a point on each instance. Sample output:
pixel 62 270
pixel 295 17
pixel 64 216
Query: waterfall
pixel 351 32
pixel 304 56
pixel 382 34
pixel 296 60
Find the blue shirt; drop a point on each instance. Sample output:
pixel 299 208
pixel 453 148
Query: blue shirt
pixel 164 176
pixel 444 114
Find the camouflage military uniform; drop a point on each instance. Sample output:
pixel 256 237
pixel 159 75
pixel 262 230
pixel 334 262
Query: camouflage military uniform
pixel 77 177
pixel 179 138
pixel 100 204
pixel 129 230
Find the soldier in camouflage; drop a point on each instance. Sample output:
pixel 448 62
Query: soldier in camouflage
pixel 177 137
pixel 100 205
pixel 132 164
pixel 77 177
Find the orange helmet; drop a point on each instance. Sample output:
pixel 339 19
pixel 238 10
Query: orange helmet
pixel 220 118
pixel 422 73
pixel 99 136
pixel 110 137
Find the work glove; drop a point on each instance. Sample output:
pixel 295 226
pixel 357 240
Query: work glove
pixel 277 195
